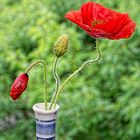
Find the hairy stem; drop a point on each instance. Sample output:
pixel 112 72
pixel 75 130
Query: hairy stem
pixel 73 74
pixel 57 79
pixel 45 78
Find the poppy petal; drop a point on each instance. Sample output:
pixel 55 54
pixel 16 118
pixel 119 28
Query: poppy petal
pixel 101 22
pixel 19 86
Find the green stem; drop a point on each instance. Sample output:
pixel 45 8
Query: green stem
pixel 74 73
pixel 45 78
pixel 57 79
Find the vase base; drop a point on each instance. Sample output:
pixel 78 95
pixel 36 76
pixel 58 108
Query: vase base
pixel 45 138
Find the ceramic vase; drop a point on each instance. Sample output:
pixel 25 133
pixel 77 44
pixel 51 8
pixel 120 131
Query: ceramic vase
pixel 45 122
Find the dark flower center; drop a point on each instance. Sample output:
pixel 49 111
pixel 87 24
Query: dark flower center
pixel 95 22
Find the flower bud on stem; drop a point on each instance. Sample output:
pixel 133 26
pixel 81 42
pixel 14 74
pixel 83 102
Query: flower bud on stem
pixel 55 98
pixel 61 46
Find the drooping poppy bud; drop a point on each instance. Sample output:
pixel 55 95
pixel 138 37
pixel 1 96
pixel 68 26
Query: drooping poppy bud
pixel 19 86
pixel 61 46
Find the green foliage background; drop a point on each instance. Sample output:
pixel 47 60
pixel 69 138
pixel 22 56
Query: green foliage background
pixel 100 103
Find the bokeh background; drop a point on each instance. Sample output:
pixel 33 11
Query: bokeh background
pixel 101 103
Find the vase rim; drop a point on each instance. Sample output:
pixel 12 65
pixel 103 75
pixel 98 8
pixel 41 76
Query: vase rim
pixel 40 108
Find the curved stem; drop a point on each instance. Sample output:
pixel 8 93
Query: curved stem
pixel 45 78
pixel 74 73
pixel 57 79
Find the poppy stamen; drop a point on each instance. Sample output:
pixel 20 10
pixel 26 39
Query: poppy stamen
pixel 95 22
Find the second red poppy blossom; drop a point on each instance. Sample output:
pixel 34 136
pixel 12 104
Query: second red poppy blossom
pixel 19 86
pixel 101 22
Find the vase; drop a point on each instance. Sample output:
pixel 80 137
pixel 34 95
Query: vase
pixel 45 122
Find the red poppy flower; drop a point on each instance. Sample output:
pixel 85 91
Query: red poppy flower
pixel 101 22
pixel 19 86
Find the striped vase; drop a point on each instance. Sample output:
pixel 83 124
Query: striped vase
pixel 45 122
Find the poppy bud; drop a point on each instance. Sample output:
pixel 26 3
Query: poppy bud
pixel 61 46
pixel 19 86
